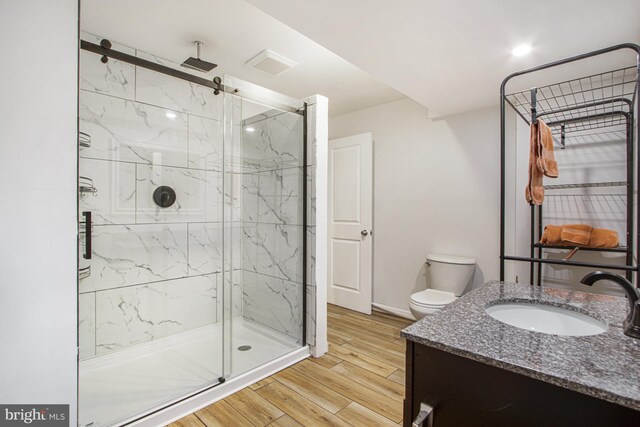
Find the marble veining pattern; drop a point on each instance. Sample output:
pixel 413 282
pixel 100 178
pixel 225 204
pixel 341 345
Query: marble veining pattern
pixel 274 250
pixel 148 130
pixel 115 78
pixel 137 314
pixel 205 248
pixel 233 281
pixel 87 325
pixel 125 255
pixel 275 143
pixel 205 144
pixel 250 194
pixel 273 197
pixel 273 302
pixel 233 246
pixel 114 202
pixel 272 221
pixel 279 196
pixel 233 201
pixel 124 130
pixel 198 194
pixel 174 94
pixel 604 366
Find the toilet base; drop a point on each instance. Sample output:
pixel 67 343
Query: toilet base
pixel 419 312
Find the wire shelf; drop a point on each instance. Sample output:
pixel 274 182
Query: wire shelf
pixel 591 102
pixel 620 249
pixel 587 185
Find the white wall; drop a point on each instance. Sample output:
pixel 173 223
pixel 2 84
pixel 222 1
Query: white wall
pixel 436 189
pixel 38 267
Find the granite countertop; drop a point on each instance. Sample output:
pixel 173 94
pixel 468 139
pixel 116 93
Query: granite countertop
pixel 606 366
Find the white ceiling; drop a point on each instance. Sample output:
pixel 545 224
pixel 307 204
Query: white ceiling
pixel 233 32
pixel 450 55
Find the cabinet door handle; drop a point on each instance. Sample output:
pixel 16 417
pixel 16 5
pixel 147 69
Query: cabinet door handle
pixel 425 414
pixel 87 234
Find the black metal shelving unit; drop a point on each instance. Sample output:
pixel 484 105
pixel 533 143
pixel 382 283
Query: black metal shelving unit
pixel 596 101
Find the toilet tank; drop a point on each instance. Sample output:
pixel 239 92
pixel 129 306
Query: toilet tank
pixel 449 273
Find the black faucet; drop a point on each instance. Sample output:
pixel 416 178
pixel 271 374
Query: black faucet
pixel 632 322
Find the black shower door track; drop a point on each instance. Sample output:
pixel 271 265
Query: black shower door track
pixel 163 69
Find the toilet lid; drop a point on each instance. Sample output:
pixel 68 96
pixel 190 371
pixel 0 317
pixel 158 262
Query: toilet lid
pixel 432 297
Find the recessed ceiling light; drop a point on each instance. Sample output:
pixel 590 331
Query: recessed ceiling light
pixel 521 50
pixel 170 115
pixel 249 129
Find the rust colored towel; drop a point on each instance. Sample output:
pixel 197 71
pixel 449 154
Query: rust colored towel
pixel 546 159
pixel 576 234
pixel 541 161
pixel 534 193
pixel 573 235
pixel 603 238
pixel 551 235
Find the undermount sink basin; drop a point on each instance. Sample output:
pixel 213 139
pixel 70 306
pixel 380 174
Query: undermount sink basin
pixel 546 319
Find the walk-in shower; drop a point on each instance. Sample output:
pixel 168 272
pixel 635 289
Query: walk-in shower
pixel 192 219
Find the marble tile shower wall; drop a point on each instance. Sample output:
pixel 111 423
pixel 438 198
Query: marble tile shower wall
pixel 273 223
pixel 154 271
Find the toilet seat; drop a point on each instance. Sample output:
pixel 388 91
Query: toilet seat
pixel 431 298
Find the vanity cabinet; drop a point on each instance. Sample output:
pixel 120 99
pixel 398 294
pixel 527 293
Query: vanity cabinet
pixel 465 392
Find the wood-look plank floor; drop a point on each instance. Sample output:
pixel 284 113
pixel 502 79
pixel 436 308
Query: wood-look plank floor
pixel 359 382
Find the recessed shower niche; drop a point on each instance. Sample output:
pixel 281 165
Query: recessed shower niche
pixel 196 233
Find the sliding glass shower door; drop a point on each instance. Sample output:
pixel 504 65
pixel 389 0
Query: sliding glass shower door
pixel 264 238
pixel 191 233
pixel 151 231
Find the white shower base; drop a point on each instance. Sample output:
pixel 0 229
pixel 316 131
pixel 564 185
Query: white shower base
pixel 115 387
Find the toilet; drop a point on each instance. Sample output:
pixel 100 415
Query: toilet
pixel 449 276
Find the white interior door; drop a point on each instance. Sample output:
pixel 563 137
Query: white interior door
pixel 350 250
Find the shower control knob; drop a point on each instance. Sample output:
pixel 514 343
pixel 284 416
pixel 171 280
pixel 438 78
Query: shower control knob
pixel 164 196
pixel 364 233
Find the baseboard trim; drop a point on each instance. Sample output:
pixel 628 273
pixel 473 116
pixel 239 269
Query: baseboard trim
pixel 393 310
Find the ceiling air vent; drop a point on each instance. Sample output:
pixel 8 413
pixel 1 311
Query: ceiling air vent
pixel 271 63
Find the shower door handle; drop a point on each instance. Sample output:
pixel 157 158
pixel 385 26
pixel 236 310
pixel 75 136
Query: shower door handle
pixel 87 234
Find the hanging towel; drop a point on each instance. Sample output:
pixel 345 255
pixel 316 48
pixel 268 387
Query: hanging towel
pixel 576 234
pixel 603 238
pixel 541 161
pixel 546 159
pixel 534 193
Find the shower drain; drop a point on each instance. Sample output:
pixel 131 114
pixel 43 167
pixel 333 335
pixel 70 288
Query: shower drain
pixel 244 348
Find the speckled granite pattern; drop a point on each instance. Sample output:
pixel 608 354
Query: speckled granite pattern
pixel 606 366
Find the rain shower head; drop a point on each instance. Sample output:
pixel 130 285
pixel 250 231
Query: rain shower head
pixel 197 63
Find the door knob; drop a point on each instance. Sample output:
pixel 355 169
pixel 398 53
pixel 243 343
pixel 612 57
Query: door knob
pixel 364 233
